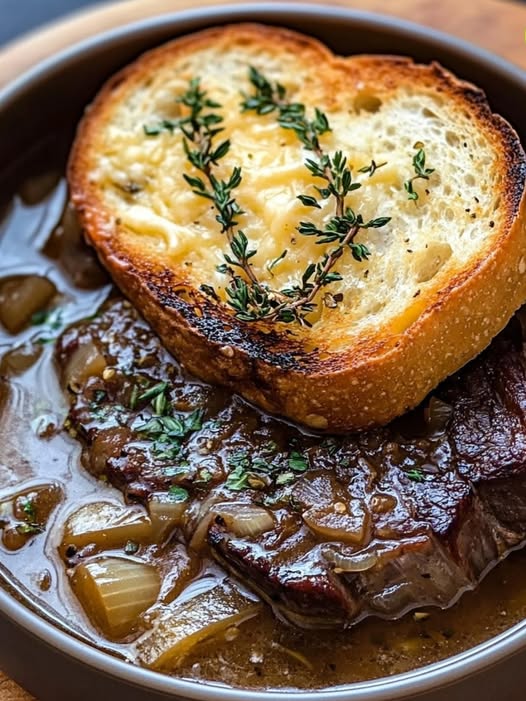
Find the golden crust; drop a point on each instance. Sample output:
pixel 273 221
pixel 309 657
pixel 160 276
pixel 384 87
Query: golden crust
pixel 380 376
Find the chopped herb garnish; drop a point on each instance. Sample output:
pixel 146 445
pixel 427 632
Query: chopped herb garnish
pixel 330 444
pixel 214 424
pixel 239 459
pixel 239 464
pixel 298 462
pixel 259 471
pixel 42 341
pixel 29 528
pixel 39 317
pixel 237 479
pixel 134 397
pixel 106 412
pixel 372 168
pixel 285 478
pixel 262 465
pixel 51 318
pixel 168 432
pixel 28 507
pixel 178 493
pixel 164 125
pixel 204 475
pixel 277 260
pixel 194 421
pixel 131 547
pixel 176 426
pixel 166 451
pixel 153 392
pixel 415 475
pixel 176 471
pixel 160 403
pixel 269 447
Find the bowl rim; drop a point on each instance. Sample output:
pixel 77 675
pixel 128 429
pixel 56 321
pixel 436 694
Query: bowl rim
pixel 400 686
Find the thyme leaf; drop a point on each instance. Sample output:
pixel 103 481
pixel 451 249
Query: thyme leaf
pixel 29 528
pixel 421 172
pixel 344 225
pixel 415 475
pixel 372 168
pixel 263 470
pixel 153 392
pixel 178 494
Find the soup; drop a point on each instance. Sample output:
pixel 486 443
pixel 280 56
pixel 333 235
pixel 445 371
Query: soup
pixel 68 533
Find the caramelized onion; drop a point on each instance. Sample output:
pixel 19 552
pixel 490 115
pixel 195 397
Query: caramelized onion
pixel 106 526
pixel 87 361
pixel 21 297
pixel 240 518
pixel 37 187
pixel 115 591
pixel 199 521
pixel 66 245
pixel 166 513
pixel 355 562
pixel 245 519
pixel 179 627
pixel 19 359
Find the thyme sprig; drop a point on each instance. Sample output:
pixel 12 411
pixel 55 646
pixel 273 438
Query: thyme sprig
pixel 199 128
pixel 345 225
pixel 250 298
pixel 421 172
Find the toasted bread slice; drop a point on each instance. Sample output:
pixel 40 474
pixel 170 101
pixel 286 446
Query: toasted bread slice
pixel 444 275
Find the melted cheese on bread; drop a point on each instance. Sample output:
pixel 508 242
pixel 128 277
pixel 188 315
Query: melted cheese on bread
pixel 423 244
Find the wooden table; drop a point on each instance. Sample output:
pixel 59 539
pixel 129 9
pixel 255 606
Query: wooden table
pixel 496 25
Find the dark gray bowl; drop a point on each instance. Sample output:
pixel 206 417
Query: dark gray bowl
pixel 52 664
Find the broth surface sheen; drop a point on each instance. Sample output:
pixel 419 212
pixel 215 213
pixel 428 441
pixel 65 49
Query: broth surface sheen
pixel 38 458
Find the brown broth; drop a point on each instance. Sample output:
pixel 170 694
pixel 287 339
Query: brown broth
pixel 261 653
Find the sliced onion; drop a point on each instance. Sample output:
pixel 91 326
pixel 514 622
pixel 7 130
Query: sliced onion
pixel 20 359
pixel 199 518
pixel 106 526
pixel 115 591
pixel 166 513
pixel 87 361
pixel 37 187
pixel 245 519
pixel 240 518
pixel 66 245
pixel 356 562
pixel 21 297
pixel 179 627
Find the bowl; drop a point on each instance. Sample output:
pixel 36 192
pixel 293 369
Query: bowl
pixel 51 663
